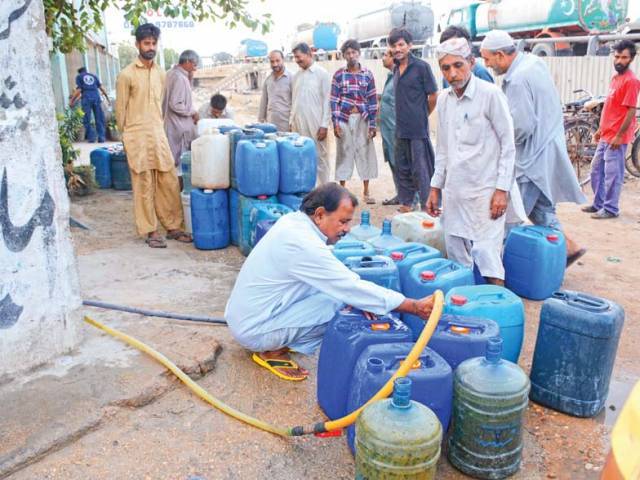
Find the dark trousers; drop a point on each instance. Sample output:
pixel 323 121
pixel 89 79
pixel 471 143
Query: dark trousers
pixel 414 163
pixel 92 105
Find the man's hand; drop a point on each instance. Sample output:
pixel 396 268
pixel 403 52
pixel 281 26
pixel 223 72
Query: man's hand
pixel 433 202
pixel 498 204
pixel 196 117
pixel 337 131
pixel 322 134
pixel 617 141
pixel 422 307
pixel 372 133
pixel 597 135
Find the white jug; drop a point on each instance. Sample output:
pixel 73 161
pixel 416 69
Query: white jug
pixel 210 160
pixel 419 227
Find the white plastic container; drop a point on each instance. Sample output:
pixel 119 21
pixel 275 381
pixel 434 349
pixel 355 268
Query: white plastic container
pixel 208 123
pixel 186 210
pixel 419 227
pixel 210 160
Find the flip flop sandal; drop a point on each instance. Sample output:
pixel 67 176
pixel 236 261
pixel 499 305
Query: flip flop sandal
pixel 179 236
pixel 272 364
pixel 391 201
pixel 573 258
pixel 369 200
pixel 156 242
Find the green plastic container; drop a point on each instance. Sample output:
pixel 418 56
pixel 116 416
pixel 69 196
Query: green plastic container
pixel 490 395
pixel 397 438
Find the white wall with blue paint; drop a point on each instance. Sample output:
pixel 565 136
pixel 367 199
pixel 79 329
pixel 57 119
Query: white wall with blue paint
pixel 39 291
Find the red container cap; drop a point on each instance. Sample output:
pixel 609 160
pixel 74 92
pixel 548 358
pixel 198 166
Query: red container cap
pixel 458 300
pixel 427 275
pixel 397 256
pixel 262 197
pixel 428 224
pixel 553 237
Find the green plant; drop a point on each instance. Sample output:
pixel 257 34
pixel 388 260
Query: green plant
pixel 69 123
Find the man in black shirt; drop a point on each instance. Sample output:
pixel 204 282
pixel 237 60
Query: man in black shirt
pixel 416 94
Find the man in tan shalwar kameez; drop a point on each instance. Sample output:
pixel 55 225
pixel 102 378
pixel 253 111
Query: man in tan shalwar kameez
pixel 156 193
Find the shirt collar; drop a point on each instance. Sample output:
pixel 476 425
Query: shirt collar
pixel 469 92
pixel 142 65
pixel 285 73
pixel 315 228
pixel 514 66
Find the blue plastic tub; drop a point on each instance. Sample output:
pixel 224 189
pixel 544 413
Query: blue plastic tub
pixel 378 269
pixel 347 335
pixel 575 351
pixel 210 219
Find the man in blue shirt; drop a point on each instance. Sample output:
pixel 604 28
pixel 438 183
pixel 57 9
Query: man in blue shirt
pixel 88 87
pixel 416 93
pixel 478 70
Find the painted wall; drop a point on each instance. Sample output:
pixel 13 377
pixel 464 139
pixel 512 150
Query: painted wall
pixel 39 291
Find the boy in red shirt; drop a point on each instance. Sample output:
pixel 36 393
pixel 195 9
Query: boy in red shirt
pixel 617 126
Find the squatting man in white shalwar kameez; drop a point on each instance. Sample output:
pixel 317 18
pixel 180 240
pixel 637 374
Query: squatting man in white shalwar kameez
pixel 292 285
pixel 474 165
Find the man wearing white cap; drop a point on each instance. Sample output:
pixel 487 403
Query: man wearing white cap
pixel 475 164
pixel 543 169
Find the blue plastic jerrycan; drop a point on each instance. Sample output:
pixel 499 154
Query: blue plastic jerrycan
pixel 575 351
pixel 235 135
pixel 298 164
pixel 432 379
pixel 262 227
pixel 185 167
pixel 426 277
pixel 210 219
pixel 534 260
pixel 101 160
pixel 265 211
pixel 245 205
pixel 257 168
pixel 406 255
pixel 378 269
pixel 365 231
pixel 234 215
pixel 458 338
pixel 291 200
pixel 496 303
pixel 386 240
pixel 347 335
pixel 265 127
pixel 120 173
pixel 346 248
pixel 489 401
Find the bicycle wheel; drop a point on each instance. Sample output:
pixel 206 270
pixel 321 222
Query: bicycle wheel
pixel 581 148
pixel 632 162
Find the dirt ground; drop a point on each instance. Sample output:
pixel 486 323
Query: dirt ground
pixel 177 436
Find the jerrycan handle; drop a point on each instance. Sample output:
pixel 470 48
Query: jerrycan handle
pixel 368 262
pixel 415 248
pixel 582 301
pixel 491 296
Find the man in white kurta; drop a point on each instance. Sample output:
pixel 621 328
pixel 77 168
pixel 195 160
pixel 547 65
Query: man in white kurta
pixel 475 163
pixel 310 109
pixel 291 285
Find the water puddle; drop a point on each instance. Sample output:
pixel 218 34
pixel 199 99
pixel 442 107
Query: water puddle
pixel 619 391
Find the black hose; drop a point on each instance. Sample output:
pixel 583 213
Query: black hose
pixel 154 313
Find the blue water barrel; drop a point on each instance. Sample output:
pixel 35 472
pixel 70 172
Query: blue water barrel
pixel 494 302
pixel 347 335
pixel 325 36
pixel 265 211
pixel 120 174
pixel 257 168
pixel 575 350
pixel 431 375
pixel 378 269
pixel 426 277
pixel 458 338
pixel 265 127
pixel 235 135
pixel 101 161
pixel 406 255
pixel 185 166
pixel 534 260
pixel 298 164
pixel 291 200
pixel 245 205
pixel 262 227
pixel 210 219
pixel 346 248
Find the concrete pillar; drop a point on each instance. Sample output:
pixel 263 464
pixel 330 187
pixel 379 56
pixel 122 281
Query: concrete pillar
pixel 39 291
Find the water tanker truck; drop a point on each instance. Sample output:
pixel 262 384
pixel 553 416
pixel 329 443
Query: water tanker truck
pixel 542 19
pixel 321 36
pixel 252 50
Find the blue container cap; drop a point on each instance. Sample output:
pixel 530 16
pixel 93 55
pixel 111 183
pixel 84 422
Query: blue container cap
pixel 375 365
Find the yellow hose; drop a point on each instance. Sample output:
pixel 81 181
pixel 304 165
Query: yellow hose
pixel 343 422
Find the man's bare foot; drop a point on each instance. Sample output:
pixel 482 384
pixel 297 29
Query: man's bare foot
pixel 405 209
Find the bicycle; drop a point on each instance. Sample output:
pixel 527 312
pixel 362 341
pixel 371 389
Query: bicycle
pixel 632 162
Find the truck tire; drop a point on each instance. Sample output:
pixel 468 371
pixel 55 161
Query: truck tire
pixel 544 50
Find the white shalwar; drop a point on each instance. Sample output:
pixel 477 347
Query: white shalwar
pixel 475 156
pixel 310 111
pixel 291 286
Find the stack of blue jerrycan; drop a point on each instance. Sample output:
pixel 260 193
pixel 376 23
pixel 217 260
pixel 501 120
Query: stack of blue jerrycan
pixel 235 136
pixel 489 401
pixel 101 160
pixel 575 351
pixel 496 303
pixel 385 240
pixel 346 248
pixel 406 255
pixel 298 164
pixel 365 231
pixel 431 376
pixel 257 170
pixel 346 337
pixel 426 277
pixel 377 269
pixel 458 338
pixel 291 200
pixel 210 219
pixel 243 218
pixel 397 438
pixel 264 211
pixel 534 260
